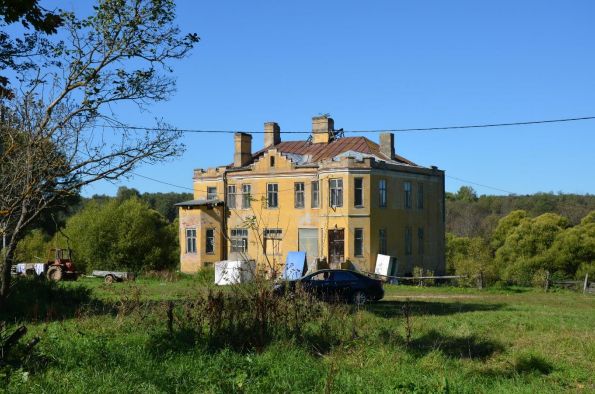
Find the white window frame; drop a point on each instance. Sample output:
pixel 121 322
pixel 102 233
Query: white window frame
pixel 190 234
pixel 272 195
pixel 207 241
pixel 239 240
pixel 246 196
pixel 299 195
pixel 336 192
pixel 231 196
pixel 315 194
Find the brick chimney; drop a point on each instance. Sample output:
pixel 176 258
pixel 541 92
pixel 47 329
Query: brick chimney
pixel 243 149
pixel 272 134
pixel 322 129
pixel 387 145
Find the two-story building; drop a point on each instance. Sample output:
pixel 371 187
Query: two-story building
pixel 342 200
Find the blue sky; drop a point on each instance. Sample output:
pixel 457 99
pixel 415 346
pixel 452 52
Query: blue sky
pixel 387 65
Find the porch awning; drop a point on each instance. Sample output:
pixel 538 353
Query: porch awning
pixel 200 203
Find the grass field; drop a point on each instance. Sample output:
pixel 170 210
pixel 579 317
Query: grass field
pixel 441 339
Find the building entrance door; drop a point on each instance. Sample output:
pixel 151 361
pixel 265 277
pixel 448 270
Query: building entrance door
pixel 308 242
pixel 336 247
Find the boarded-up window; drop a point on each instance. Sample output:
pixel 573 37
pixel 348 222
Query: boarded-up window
pixel 358 242
pixel 272 241
pixel 382 248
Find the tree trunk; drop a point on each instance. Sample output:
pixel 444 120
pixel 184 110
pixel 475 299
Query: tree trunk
pixel 7 257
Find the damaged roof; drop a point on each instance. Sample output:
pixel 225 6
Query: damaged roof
pixel 306 152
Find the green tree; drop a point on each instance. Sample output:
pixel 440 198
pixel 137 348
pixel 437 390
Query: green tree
pixel 472 258
pixel 49 136
pixel 505 226
pixel 525 249
pixel 573 251
pixel 122 235
pixel 466 193
pixel 34 247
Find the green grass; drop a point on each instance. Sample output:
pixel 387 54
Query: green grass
pixel 462 340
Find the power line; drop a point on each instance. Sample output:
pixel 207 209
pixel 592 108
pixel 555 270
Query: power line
pixel 395 130
pixel 160 181
pixel 479 184
pixel 291 189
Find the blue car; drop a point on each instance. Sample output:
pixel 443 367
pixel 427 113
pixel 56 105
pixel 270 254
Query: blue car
pixel 332 284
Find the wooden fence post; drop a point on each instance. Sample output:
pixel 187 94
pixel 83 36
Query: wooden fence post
pixel 586 283
pixel 547 280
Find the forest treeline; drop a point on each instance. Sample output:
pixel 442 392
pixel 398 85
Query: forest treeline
pixel 512 239
pixel 519 239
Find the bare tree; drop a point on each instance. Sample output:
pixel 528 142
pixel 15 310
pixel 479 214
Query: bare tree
pixel 61 131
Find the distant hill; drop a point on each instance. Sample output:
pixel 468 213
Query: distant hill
pixel 470 215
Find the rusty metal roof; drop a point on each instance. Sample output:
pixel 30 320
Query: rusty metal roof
pixel 322 151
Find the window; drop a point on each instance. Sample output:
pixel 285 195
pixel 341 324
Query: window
pixel 408 241
pixel 420 241
pixel 336 192
pixel 382 241
pixel 246 196
pixel 272 161
pixel 211 193
pixel 298 197
pixel 272 241
pixel 273 233
pixel 382 193
pixel 358 198
pixel 239 240
pixel 231 196
pixel 210 246
pixel 420 196
pixel 407 188
pixel 272 195
pixel 315 194
pixel 358 244
pixel 190 240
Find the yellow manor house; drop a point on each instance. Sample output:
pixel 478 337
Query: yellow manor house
pixel 342 200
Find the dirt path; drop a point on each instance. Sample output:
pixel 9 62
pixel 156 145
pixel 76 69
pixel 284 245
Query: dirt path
pixel 432 296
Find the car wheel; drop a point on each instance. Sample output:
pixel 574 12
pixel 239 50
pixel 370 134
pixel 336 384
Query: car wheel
pixel 109 279
pixel 359 298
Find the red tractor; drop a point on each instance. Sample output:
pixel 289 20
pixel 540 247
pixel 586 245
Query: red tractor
pixel 60 266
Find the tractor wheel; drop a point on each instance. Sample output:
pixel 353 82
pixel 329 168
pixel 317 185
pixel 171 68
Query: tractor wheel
pixel 109 279
pixel 54 274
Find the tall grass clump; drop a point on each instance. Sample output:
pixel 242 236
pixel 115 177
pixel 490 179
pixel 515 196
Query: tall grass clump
pixel 249 318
